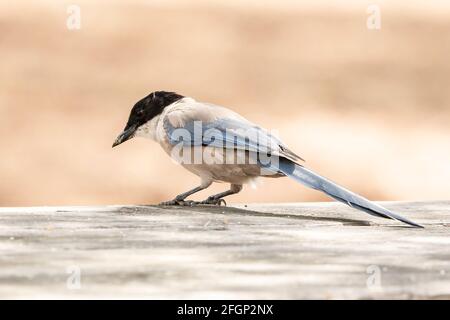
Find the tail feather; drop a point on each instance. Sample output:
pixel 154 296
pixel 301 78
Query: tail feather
pixel 315 181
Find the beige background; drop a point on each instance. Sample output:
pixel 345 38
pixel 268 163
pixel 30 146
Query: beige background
pixel 368 109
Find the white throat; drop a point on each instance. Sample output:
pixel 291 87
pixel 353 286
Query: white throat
pixel 148 130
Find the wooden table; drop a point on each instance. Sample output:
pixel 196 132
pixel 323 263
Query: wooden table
pixel 259 251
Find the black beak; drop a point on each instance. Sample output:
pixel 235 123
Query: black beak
pixel 127 134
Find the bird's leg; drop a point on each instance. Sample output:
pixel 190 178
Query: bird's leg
pixel 180 199
pixel 217 199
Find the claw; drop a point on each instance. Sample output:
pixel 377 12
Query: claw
pixel 191 203
pixel 179 202
pixel 215 201
pixel 169 203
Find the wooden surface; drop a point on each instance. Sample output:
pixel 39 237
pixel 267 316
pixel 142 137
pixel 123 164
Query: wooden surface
pixel 285 251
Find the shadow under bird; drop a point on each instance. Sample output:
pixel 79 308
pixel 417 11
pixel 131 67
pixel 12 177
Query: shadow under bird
pixel 184 126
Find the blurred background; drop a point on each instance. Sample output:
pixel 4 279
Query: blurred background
pixel 369 109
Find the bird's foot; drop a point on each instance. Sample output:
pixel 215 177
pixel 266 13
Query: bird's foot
pixel 179 202
pixel 215 201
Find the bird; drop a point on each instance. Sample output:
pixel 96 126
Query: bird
pixel 219 145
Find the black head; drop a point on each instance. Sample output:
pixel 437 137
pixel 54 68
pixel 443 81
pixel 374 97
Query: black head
pixel 144 110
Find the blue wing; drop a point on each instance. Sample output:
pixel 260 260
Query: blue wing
pixel 228 133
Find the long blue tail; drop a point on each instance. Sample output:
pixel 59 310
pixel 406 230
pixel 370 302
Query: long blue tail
pixel 315 181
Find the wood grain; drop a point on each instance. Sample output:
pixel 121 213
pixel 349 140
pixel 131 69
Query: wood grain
pixel 279 251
